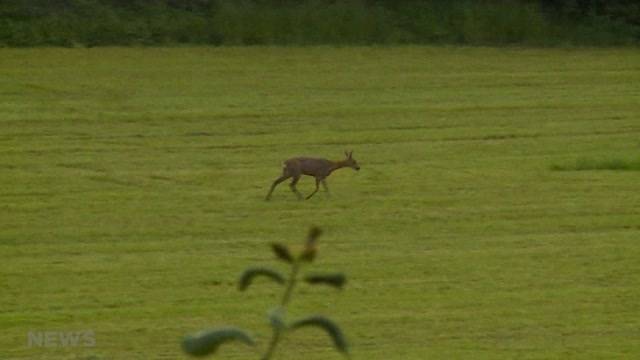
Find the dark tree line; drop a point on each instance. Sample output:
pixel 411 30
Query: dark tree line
pixel 246 22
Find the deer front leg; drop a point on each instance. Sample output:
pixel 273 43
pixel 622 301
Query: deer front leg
pixel 324 185
pixel 293 187
pixel 316 190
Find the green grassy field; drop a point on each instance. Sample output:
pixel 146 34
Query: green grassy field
pixel 132 185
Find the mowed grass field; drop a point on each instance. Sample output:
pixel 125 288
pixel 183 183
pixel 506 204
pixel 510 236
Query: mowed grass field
pixel 132 184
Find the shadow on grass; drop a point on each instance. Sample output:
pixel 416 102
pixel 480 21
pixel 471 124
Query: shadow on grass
pixel 583 164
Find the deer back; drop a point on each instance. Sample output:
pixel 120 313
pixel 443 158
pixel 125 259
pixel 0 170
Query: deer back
pixel 311 166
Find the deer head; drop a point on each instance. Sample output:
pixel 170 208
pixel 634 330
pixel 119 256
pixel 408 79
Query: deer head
pixel 350 161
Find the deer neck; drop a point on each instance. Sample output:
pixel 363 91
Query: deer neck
pixel 335 165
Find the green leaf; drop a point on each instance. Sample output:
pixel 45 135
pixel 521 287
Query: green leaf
pixel 314 233
pixel 282 252
pixel 335 280
pixel 310 248
pixel 308 254
pixel 249 274
pixel 339 341
pixel 207 342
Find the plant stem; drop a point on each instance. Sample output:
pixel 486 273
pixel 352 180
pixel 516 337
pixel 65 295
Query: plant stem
pixel 292 282
pixel 277 332
pixel 275 337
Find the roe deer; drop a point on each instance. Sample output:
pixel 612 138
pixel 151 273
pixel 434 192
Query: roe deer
pixel 318 168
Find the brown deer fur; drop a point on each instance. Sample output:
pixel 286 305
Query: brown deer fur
pixel 318 168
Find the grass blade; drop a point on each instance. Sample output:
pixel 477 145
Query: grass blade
pixel 282 252
pixel 310 248
pixel 207 342
pixel 339 340
pixel 249 274
pixel 336 280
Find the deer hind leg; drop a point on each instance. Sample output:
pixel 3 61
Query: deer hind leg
pixel 285 176
pixel 293 186
pixel 316 190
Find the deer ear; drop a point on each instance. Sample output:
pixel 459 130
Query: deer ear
pixel 346 153
pixel 350 153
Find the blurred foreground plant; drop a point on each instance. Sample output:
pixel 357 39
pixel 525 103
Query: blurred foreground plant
pixel 207 342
